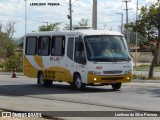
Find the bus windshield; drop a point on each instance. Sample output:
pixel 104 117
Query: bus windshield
pixel 106 48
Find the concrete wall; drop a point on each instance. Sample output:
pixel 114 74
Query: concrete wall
pixel 142 57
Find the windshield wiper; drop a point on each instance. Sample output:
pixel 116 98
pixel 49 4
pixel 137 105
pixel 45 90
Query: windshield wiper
pixel 122 59
pixel 104 59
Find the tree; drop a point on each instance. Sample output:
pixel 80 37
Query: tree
pixel 148 26
pixel 21 42
pixel 6 43
pixel 14 62
pixel 82 23
pixel 50 27
pixel 9 29
pixel 6 46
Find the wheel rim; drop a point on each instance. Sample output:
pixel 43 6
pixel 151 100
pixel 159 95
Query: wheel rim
pixel 41 79
pixel 78 83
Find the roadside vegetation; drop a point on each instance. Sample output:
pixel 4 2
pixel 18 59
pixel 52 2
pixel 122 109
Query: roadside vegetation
pixel 10 57
pixel 146 68
pixel 148 26
pixel 144 77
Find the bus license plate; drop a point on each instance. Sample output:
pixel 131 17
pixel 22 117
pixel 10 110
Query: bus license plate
pixel 112 81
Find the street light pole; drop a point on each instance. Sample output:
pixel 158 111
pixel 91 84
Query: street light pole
pixel 121 21
pixel 25 16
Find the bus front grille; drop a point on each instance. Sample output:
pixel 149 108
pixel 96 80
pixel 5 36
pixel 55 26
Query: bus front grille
pixel 113 72
pixel 113 78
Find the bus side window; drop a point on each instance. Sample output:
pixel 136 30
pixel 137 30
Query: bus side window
pixel 79 55
pixel 31 45
pixel 44 45
pixel 70 48
pixel 52 46
pixel 58 46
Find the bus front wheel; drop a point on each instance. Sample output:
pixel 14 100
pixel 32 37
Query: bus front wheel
pixel 78 82
pixel 116 86
pixel 42 81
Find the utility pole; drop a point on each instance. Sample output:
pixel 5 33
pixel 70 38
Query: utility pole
pixel 94 15
pixel 70 14
pixel 121 21
pixel 126 2
pixel 136 37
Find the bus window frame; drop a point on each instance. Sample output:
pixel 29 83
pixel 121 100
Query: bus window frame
pixel 26 44
pixel 49 46
pixel 63 44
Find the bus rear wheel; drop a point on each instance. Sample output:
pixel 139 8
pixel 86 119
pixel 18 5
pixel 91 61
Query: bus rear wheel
pixel 78 82
pixel 43 82
pixel 116 86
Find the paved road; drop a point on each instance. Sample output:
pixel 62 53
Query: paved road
pixel 22 94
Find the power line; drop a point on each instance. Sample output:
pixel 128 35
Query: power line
pixel 71 3
pixel 75 2
pixel 66 2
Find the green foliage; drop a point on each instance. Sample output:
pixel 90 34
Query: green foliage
pixel 10 49
pixel 151 48
pixel 144 77
pixel 148 23
pixel 21 42
pixel 50 27
pixel 14 62
pixel 6 46
pixel 83 22
pixel 2 66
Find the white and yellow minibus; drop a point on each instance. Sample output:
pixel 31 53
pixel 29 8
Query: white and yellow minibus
pixel 79 57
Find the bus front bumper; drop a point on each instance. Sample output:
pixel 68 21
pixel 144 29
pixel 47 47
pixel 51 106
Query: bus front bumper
pixel 94 79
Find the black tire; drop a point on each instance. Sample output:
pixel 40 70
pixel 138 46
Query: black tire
pixel 78 82
pixel 116 86
pixel 72 85
pixel 43 82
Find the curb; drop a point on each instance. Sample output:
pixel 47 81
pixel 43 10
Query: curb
pixel 10 73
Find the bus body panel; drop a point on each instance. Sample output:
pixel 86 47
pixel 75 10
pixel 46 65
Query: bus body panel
pixel 62 68
pixel 110 72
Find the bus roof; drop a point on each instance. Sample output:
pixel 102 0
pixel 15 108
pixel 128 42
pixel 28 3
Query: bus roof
pixel 85 32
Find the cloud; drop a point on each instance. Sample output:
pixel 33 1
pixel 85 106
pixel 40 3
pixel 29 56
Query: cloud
pixel 15 10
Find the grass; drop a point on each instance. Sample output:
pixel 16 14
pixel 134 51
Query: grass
pixel 144 77
pixel 146 68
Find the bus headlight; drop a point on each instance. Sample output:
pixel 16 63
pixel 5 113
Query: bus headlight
pixel 128 72
pixel 90 72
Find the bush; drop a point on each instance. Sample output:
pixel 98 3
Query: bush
pixel 14 62
pixel 2 66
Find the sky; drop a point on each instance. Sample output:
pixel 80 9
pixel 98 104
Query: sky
pixel 14 10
